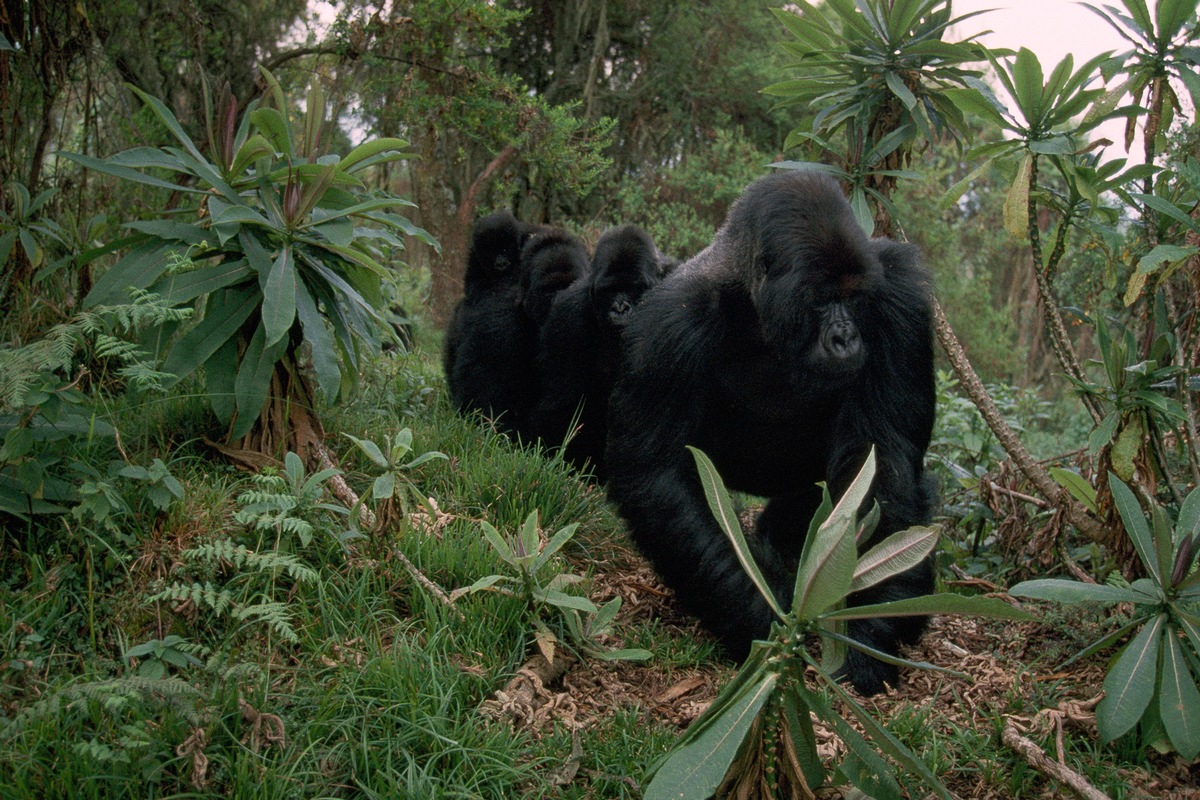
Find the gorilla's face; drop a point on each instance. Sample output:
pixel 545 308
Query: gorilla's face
pixel 813 313
pixel 495 251
pixel 626 264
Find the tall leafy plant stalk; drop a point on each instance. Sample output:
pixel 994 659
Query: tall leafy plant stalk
pixel 286 261
pixel 877 72
pixel 1162 50
pixel 1154 682
pixel 756 740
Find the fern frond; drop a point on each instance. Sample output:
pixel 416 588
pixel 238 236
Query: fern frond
pixel 112 695
pixel 201 595
pixel 276 616
pixel 224 551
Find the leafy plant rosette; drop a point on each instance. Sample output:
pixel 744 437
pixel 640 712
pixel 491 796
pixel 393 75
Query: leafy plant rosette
pixel 757 738
pixel 529 560
pixel 282 248
pixel 1153 680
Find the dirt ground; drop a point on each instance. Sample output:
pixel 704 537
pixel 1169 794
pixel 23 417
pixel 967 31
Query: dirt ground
pixel 994 655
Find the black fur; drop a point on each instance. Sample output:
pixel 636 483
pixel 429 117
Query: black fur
pixel 580 344
pixel 514 269
pixel 784 350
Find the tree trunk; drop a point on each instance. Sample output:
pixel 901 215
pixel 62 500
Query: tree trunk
pixel 1033 471
pixel 446 273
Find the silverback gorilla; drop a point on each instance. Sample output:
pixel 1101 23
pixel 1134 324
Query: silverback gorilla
pixel 784 350
pixel 514 270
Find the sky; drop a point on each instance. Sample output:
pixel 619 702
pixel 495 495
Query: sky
pixel 1051 29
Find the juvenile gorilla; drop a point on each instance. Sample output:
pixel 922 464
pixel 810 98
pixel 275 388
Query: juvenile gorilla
pixel 514 270
pixel 580 344
pixel 784 350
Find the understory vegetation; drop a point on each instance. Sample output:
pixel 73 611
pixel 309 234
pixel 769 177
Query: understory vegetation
pixel 248 549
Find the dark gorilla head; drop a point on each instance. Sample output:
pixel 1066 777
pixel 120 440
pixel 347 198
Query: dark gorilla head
pixel 495 252
pixel 551 260
pixel 810 269
pixel 626 264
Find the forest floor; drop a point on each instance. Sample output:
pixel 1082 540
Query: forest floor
pixel 993 657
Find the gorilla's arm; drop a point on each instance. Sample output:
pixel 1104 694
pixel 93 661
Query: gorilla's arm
pixel 655 410
pixel 893 408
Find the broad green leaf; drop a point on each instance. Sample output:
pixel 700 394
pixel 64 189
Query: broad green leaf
pixel 1164 548
pixel 804 739
pixel 828 560
pixel 1064 591
pixel 356 257
pixel 829 637
pixel 1191 626
pixel 726 515
pixel 486 582
pixel 1103 433
pixel 1106 641
pixel 944 603
pixel 1016 203
pixel 421 459
pixel 370 449
pixel 125 173
pixel 497 542
pixel 183 287
pixel 694 771
pixel 895 554
pixel 315 188
pixel 1027 85
pixel 254 148
pixel 253 380
pixel 896 84
pixel 751 672
pixel 225 214
pixel 975 101
pixel 139 268
pixel 862 210
pixel 279 297
pixel 384 486
pixel 1129 685
pixel 261 261
pixel 368 149
pixel 1188 523
pixel 1076 484
pixel 314 117
pixel 168 119
pixel 173 230
pixel 1135 525
pixel 627 654
pixel 555 544
pixel 326 362
pixel 220 371
pixel 274 128
pixel 224 315
pixel 1164 254
pixel 338 232
pixel 564 600
pixel 1179 699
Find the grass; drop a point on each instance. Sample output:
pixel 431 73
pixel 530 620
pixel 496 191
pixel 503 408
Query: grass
pixel 359 681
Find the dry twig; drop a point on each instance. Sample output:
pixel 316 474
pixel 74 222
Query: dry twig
pixel 1056 770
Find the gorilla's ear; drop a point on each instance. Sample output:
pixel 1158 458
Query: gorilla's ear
pixel 893 254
